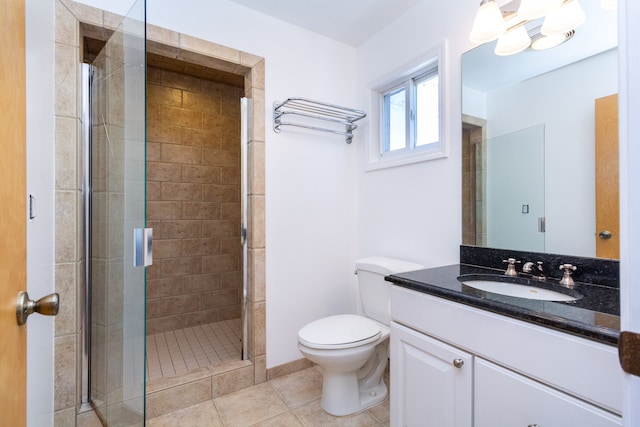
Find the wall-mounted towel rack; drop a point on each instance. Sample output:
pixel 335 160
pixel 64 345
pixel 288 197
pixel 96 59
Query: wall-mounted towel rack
pixel 314 111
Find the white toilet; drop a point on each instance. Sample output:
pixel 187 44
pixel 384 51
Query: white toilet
pixel 352 350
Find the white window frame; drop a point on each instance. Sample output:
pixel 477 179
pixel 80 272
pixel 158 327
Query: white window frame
pixel 377 158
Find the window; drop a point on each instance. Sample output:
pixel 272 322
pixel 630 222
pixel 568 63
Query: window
pixel 409 106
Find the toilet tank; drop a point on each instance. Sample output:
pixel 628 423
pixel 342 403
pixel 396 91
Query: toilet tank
pixel 375 292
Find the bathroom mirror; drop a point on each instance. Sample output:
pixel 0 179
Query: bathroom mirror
pixel 555 92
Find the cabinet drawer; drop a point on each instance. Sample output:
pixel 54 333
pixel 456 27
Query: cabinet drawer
pixel 431 382
pixel 504 398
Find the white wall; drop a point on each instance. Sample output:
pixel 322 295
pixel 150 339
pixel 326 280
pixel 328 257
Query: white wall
pixel 413 212
pixel 310 177
pixel 40 183
pixel 567 93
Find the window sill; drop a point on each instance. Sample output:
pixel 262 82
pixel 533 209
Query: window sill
pixel 401 159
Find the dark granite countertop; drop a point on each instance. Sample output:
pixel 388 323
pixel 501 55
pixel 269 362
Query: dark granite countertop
pixel 595 316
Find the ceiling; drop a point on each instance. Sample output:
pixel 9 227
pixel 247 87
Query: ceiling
pixel 351 21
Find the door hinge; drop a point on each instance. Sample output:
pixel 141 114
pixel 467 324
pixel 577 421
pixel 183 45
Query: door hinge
pixel 243 234
pixel 629 352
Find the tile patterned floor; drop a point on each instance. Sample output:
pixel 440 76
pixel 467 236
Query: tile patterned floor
pixel 177 352
pixel 289 401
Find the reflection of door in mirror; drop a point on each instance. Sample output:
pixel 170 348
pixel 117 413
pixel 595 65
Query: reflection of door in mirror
pixel 473 177
pixel 502 187
pixel 607 178
pixel 515 190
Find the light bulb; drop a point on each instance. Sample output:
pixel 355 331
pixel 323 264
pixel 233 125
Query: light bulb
pixel 489 24
pixel 563 19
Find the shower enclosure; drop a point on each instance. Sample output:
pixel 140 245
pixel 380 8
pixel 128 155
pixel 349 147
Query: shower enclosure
pixel 133 169
pixel 113 351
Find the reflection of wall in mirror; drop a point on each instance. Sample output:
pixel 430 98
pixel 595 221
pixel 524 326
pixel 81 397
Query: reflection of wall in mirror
pixel 564 101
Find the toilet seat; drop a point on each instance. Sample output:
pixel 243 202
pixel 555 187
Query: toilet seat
pixel 338 332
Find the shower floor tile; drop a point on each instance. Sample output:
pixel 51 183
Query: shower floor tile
pixel 179 351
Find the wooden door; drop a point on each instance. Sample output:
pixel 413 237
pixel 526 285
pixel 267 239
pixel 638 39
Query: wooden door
pixel 13 356
pixel 607 178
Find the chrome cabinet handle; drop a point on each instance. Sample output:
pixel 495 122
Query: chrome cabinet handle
pixel 533 425
pixel 458 363
pixel 47 306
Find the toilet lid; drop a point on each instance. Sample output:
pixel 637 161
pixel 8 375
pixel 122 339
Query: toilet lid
pixel 341 331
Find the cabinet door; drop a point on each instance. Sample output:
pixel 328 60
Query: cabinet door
pixel 431 382
pixel 504 398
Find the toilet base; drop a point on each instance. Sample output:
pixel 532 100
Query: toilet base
pixel 345 393
pixel 341 394
pixel 373 396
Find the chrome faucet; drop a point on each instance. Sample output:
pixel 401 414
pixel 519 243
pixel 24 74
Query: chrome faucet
pixel 567 280
pixel 531 268
pixel 511 268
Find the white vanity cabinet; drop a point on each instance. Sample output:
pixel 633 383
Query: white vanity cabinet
pixel 504 398
pixel 513 373
pixel 435 381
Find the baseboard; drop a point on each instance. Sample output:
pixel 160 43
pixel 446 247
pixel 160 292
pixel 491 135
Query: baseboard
pixel 288 368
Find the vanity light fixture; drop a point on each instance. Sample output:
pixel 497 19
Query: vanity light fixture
pixel 534 9
pixel 489 23
pixel 561 17
pixel 541 42
pixel 513 41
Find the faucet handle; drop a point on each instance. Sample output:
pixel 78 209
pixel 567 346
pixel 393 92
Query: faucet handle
pixel 568 268
pixel 511 268
pixel 567 280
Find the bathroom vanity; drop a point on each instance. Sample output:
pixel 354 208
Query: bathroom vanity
pixel 464 357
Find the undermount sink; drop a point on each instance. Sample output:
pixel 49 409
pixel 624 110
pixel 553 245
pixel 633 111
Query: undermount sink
pixel 520 290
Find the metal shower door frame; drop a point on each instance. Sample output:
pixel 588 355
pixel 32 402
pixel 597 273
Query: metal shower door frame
pixel 245 126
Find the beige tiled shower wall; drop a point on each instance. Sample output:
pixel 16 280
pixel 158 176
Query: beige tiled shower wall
pixel 68 260
pixel 193 193
pixel 473 189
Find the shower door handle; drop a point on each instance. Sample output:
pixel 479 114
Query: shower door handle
pixel 142 247
pixel 47 306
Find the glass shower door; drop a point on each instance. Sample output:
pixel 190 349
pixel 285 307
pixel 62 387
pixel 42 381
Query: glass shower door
pixel 117 292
